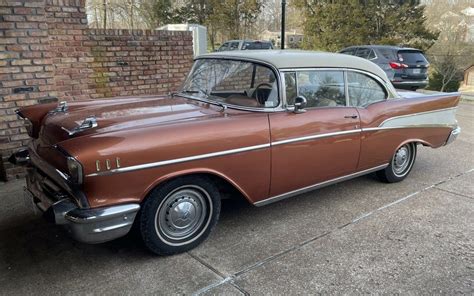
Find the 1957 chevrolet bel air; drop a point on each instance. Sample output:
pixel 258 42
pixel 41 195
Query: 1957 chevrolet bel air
pixel 264 125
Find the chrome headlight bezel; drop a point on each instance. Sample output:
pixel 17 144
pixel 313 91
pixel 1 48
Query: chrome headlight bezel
pixel 75 170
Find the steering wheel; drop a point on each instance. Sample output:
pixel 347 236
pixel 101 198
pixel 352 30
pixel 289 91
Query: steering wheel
pixel 261 98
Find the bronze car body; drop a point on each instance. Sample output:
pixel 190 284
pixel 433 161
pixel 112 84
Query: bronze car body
pixel 122 149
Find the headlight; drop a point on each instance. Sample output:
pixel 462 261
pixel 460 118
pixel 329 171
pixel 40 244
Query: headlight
pixel 75 170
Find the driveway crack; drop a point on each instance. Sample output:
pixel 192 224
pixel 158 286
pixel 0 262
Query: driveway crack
pixel 455 193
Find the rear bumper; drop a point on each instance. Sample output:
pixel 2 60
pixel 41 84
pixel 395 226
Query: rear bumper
pixel 453 135
pixel 49 192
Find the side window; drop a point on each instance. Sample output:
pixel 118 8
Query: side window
pixel 290 87
pixel 322 88
pixel 234 46
pixel 387 53
pixel 224 47
pixel 364 90
pixel 363 52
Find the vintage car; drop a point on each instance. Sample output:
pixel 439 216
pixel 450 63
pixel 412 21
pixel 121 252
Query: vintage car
pixel 261 125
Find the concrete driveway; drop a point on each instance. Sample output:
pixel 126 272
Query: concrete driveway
pixel 357 237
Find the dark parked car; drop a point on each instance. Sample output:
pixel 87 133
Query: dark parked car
pixel 406 68
pixel 245 45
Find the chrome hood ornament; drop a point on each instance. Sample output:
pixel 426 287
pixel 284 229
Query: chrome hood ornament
pixel 88 123
pixel 61 108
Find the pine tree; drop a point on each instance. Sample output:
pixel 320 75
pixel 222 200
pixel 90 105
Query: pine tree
pixel 335 24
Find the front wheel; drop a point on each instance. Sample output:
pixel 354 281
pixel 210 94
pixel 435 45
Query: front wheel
pixel 400 164
pixel 179 215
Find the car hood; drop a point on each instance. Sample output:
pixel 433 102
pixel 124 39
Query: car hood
pixel 123 113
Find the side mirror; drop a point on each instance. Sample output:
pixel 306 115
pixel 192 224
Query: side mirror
pixel 300 104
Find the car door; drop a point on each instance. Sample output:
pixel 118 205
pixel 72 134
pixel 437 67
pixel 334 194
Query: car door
pixel 320 144
pixel 368 95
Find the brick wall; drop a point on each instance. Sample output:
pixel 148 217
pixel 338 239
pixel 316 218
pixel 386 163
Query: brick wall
pixel 47 54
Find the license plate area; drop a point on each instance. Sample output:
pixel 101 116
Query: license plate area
pixel 416 71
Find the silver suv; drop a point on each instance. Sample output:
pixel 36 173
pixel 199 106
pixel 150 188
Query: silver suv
pixel 406 68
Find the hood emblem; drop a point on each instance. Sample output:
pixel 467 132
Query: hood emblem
pixel 61 108
pixel 88 123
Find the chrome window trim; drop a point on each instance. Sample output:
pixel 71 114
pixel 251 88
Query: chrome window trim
pixel 318 185
pixel 346 89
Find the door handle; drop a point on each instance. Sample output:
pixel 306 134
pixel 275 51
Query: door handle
pixel 351 116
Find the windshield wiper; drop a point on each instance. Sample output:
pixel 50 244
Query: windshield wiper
pixel 224 106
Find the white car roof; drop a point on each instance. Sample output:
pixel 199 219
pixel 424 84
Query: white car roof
pixel 290 59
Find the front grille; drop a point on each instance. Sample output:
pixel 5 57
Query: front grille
pixel 39 181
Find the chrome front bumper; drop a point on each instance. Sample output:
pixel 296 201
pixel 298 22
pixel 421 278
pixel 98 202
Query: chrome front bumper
pixel 90 226
pixel 453 135
pixel 54 197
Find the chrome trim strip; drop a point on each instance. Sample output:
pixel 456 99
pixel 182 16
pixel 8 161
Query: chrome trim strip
pixel 370 129
pixel 178 160
pixel 318 185
pixel 318 136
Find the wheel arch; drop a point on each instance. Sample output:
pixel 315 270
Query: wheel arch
pixel 416 141
pixel 226 183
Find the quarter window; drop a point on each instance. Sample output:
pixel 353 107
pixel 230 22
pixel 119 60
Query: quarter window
pixel 364 90
pixel 322 88
pixel 372 55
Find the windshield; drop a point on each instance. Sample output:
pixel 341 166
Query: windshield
pixel 233 82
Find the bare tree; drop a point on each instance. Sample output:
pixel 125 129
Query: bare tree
pixel 452 50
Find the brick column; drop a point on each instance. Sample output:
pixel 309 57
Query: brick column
pixel 67 30
pixel 25 70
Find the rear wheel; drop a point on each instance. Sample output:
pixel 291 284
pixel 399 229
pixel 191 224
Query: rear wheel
pixel 400 164
pixel 179 215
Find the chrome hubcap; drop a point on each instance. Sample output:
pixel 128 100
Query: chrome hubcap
pixel 401 161
pixel 182 213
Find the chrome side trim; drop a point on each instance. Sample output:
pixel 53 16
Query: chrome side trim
pixel 370 129
pixel 318 185
pixel 318 136
pixel 178 160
